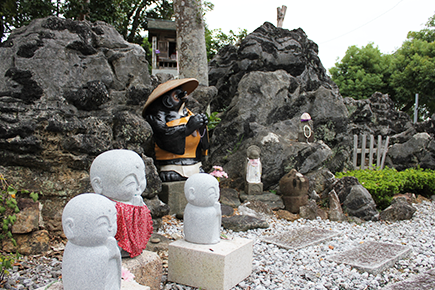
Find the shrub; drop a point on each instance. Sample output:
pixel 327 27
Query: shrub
pixel 384 184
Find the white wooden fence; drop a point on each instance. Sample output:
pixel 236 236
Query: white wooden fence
pixel 380 152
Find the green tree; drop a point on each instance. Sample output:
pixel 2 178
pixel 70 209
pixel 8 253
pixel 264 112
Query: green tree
pixel 413 71
pixel 361 72
pixel 215 39
pixel 14 14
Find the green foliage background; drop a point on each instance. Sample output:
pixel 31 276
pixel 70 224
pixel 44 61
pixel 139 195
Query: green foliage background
pixel 384 184
pixel 409 70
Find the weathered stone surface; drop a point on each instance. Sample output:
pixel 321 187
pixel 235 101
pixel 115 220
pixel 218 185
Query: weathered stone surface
pixel 294 184
pixel 230 197
pixel 360 203
pixel 256 209
pixel 300 238
pixel 311 211
pixel 274 201
pixel 227 210
pixel 240 223
pixel 399 210
pixel 285 214
pixel 146 268
pixel 335 212
pixel 412 153
pixel 28 217
pixel 372 257
pixel 29 244
pixel 157 243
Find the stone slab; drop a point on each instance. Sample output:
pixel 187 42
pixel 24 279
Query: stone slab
pixel 130 285
pixel 300 238
pixel 372 257
pixel 424 281
pixel 213 267
pixel 173 195
pixel 147 269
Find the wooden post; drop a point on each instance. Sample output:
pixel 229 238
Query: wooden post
pixel 384 153
pixel 363 152
pixel 372 141
pixel 379 151
pixel 280 15
pixel 355 150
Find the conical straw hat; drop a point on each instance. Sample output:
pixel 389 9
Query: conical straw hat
pixel 188 85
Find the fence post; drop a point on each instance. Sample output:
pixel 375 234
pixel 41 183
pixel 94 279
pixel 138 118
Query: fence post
pixel 355 150
pixel 363 152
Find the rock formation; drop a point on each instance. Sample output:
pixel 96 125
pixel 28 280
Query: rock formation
pixel 70 90
pixel 269 81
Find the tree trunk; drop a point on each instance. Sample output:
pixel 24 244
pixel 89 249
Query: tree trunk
pixel 191 49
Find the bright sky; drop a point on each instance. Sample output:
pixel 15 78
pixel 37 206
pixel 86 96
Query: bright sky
pixel 334 25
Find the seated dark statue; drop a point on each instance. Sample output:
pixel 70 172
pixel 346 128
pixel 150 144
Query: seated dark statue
pixel 181 137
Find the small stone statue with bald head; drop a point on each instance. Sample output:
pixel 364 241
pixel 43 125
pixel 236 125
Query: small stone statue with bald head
pixel 202 215
pixel 120 175
pixel 91 259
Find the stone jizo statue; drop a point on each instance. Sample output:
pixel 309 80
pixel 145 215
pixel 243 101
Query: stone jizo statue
pixel 91 259
pixel 202 215
pixel 181 137
pixel 253 166
pixel 120 175
pixel 253 184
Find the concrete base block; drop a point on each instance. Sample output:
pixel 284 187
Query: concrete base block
pixel 146 268
pixel 213 267
pixel 173 195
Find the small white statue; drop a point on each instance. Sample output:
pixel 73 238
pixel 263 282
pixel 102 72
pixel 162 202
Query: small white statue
pixel 202 215
pixel 120 175
pixel 253 166
pixel 91 259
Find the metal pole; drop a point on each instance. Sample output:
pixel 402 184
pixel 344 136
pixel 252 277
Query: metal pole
pixel 416 108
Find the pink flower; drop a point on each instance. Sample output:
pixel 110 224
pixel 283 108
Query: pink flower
pixel 126 275
pixel 218 172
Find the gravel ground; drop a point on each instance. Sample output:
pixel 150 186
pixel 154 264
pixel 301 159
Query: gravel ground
pixel 306 268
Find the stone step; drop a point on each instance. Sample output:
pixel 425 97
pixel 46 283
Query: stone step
pixel 424 281
pixel 372 257
pixel 300 238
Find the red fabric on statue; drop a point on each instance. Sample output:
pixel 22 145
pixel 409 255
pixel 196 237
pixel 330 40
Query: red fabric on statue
pixel 135 227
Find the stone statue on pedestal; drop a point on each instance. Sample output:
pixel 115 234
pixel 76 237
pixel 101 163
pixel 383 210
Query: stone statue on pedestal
pixel 253 171
pixel 181 137
pixel 91 259
pixel 120 175
pixel 202 215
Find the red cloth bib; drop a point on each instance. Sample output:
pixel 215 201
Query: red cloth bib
pixel 135 227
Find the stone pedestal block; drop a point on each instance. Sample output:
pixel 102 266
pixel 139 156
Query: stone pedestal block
pixel 214 267
pixel 293 203
pixel 173 195
pixel 254 188
pixel 146 268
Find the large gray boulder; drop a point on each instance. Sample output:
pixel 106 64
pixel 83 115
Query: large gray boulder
pixel 419 150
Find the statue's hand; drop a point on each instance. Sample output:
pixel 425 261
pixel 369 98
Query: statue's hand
pixel 196 122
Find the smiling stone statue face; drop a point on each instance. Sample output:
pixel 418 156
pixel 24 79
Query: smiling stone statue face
pixel 119 175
